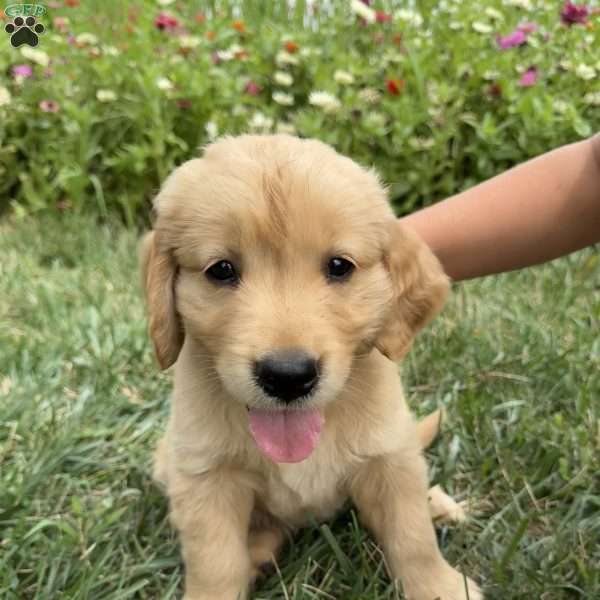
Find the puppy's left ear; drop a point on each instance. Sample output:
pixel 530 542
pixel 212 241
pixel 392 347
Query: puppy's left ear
pixel 420 288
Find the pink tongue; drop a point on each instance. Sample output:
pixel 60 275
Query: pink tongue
pixel 286 436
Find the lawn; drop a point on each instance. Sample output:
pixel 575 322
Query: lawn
pixel 514 359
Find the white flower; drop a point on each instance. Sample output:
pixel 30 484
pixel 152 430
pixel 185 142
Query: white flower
pixel 285 58
pixel 592 98
pixel 585 72
pixel 363 11
pixel 189 41
pixel 4 96
pixel 260 122
pixel 328 102
pixel 480 27
pixel 37 56
pixel 212 131
pixel 343 77
pixel 86 39
pixel 164 84
pixel 283 99
pixel 455 25
pixel 561 107
pixel 284 79
pixel 111 51
pixel 524 4
pixel 175 58
pixel 494 14
pixel 566 65
pixel 286 128
pixel 106 95
pixel 410 16
pixel 491 75
pixel 369 95
pixel 164 2
pixel 225 55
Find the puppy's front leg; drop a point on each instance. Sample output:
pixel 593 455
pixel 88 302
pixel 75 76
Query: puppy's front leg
pixel 391 495
pixel 212 513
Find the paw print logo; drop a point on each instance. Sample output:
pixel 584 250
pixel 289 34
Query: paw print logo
pixel 24 31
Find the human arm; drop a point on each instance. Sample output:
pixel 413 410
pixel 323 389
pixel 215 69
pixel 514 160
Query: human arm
pixel 542 209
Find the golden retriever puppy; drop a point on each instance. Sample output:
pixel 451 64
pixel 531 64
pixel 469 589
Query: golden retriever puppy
pixel 282 288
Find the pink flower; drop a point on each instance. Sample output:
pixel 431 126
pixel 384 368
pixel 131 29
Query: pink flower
pixel 512 40
pixel 165 22
pixel 23 71
pixel 49 106
pixel 528 28
pixel 252 88
pixel 572 14
pixel 382 17
pixel 529 78
pixel 61 23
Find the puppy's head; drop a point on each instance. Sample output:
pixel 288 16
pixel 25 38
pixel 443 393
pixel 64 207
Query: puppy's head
pixel 280 262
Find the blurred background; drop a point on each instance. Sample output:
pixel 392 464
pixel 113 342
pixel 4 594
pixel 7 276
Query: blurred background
pixel 436 95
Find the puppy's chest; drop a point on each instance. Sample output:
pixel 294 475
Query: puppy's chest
pixel 295 493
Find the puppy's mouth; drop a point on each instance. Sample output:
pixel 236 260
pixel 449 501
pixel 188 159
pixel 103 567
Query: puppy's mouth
pixel 286 435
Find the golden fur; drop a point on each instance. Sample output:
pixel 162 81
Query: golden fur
pixel 279 207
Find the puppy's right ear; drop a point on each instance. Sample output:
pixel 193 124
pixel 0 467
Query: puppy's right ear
pixel 158 278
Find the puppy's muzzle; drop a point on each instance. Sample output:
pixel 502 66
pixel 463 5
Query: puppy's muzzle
pixel 287 374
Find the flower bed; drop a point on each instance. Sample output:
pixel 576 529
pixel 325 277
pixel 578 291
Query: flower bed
pixel 99 112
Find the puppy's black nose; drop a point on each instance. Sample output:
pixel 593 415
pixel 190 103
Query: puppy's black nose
pixel 287 374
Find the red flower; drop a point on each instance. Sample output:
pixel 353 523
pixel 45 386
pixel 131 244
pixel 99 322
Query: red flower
pixel 291 47
pixel 165 22
pixel 239 26
pixel 200 18
pixel 252 88
pixel 184 104
pixel 72 3
pixel 395 86
pixel 382 17
pixel 572 14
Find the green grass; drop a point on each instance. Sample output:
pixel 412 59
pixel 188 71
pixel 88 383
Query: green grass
pixel 515 359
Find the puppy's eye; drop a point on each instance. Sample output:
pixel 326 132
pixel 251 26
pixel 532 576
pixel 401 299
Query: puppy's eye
pixel 223 272
pixel 339 268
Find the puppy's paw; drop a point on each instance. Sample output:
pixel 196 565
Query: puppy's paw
pixel 448 584
pixel 263 546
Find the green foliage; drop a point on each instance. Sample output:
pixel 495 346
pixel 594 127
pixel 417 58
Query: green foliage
pixel 460 115
pixel 515 359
